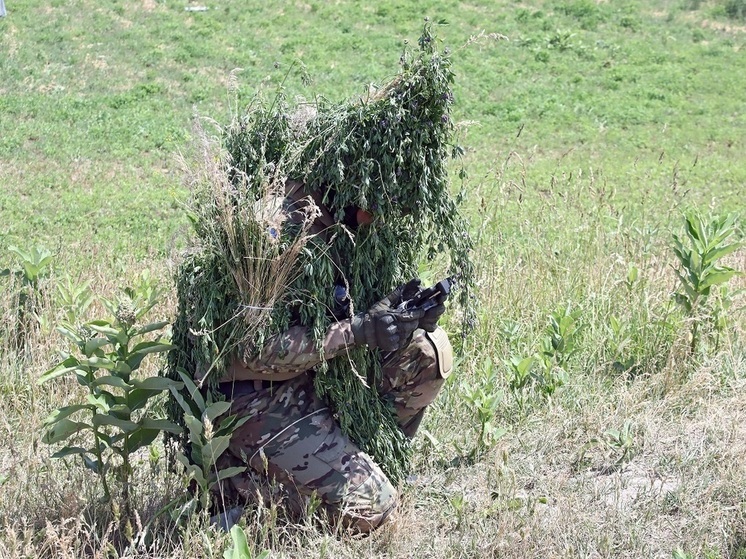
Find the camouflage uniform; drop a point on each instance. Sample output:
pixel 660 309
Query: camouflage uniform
pixel 291 436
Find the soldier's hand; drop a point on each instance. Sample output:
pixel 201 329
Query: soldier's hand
pixel 384 326
pixel 402 293
pixel 429 321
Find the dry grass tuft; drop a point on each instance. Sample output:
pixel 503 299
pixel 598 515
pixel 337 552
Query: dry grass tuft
pixel 244 225
pixel 555 485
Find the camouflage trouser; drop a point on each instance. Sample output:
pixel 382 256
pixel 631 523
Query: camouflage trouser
pixel 292 437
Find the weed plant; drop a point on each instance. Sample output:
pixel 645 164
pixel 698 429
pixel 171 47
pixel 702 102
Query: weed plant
pixel 32 267
pixel 116 419
pixel 703 276
pixel 736 9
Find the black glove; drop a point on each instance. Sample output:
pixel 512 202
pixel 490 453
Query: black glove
pixel 383 325
pixel 429 321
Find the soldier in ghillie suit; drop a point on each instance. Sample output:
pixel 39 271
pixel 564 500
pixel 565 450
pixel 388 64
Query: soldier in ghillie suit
pixel 291 302
pixel 292 434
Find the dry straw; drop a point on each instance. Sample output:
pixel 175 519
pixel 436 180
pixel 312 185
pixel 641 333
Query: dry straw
pixel 244 230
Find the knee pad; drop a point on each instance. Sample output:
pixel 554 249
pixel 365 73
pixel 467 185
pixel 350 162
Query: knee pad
pixel 443 351
pixel 370 505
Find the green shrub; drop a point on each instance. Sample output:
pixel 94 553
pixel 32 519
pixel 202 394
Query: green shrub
pixel 585 11
pixel 701 272
pixel 117 417
pixel 736 9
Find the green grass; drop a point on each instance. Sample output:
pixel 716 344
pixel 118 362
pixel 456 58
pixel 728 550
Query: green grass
pixel 97 98
pixel 594 125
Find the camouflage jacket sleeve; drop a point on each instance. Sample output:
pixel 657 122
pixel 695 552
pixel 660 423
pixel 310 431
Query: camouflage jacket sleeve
pixel 290 353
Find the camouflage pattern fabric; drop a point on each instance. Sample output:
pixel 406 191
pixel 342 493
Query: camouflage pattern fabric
pixel 292 439
pixel 292 353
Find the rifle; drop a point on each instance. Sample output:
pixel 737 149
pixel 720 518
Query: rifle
pixel 427 298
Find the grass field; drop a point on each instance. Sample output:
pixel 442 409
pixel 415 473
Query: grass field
pixel 590 127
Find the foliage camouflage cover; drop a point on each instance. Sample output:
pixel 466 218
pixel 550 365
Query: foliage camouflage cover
pixel 386 154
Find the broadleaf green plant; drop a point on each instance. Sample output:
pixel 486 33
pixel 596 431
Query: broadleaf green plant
pixel 621 441
pixel 520 377
pixel 558 345
pixel 34 264
pixel 116 418
pixel 483 398
pixel 209 432
pixel 240 548
pixel 618 444
pixel 74 298
pixel 561 339
pixel 699 254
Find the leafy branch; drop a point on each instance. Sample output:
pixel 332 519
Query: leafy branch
pixel 699 255
pixel 115 419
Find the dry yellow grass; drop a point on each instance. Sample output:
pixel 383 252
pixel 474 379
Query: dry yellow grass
pixel 549 488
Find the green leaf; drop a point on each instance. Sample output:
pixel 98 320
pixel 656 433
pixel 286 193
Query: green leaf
pixel 152 327
pixel 240 549
pixel 156 383
pixel 195 429
pixel 22 254
pixel 522 366
pixel 214 449
pixel 192 470
pixel 122 368
pixel 695 265
pixel 69 333
pixel 694 226
pixel 152 347
pixel 195 472
pixel 188 409
pixel 140 351
pixel 63 429
pixel 717 253
pixel 110 380
pixel 111 306
pixel 103 327
pixel 722 230
pixel 193 391
pixel 62 413
pixel 55 372
pixel 226 473
pixel 134 360
pixel 161 425
pixel 44 262
pixel 107 439
pixel 69 451
pixel 114 334
pixel 93 465
pixel 691 293
pixel 183 460
pixel 141 437
pixel 229 424
pixel 716 278
pixel 98 363
pixel 93 344
pixel 99 402
pixel 632 274
pixel 216 409
pixel 137 398
pixel 121 411
pixel 100 420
